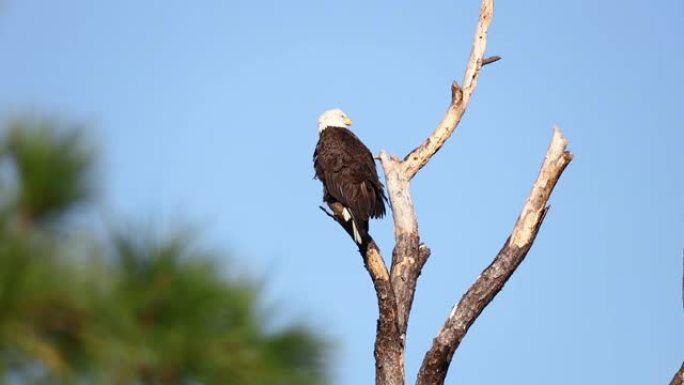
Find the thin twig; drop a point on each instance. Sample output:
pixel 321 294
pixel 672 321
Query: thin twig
pixel 490 60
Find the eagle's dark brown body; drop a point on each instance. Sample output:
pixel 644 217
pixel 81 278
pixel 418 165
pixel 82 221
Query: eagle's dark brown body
pixel 347 169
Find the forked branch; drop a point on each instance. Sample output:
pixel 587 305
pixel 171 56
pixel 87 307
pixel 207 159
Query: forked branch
pixel 409 254
pixel 436 362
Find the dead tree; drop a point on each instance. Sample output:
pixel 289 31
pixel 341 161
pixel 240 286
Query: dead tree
pixel 395 287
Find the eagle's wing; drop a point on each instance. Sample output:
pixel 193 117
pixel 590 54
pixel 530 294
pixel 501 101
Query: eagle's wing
pixel 347 170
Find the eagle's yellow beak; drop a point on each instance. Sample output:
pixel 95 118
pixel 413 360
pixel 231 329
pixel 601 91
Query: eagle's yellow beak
pixel 347 121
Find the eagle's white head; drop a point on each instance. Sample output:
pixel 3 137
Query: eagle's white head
pixel 333 118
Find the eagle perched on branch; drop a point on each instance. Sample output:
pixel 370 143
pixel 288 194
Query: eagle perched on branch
pixel 345 166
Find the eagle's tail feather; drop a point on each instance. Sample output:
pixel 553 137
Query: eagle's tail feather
pixel 357 236
pixel 356 229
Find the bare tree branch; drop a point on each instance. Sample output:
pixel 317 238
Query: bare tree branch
pixel 372 259
pixel 409 255
pixel 678 378
pixel 490 60
pixel 419 157
pixel 389 346
pixel 406 258
pixel 436 362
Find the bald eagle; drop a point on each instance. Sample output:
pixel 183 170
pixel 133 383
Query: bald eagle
pixel 346 168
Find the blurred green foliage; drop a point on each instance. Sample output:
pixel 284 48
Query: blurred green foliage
pixel 128 310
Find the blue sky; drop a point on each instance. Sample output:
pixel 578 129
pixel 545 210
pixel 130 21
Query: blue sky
pixel 206 112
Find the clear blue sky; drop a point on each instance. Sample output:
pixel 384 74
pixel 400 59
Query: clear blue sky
pixel 205 111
